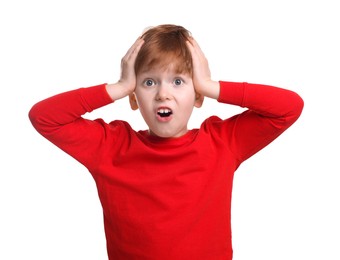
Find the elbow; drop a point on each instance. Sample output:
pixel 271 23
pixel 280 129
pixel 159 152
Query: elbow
pixel 32 115
pixel 299 105
pixel 35 117
pixel 296 108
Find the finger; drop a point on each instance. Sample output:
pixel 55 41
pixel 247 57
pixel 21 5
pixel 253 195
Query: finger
pixel 134 49
pixel 195 49
pixel 192 49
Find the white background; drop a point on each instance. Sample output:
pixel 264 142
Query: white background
pixel 286 197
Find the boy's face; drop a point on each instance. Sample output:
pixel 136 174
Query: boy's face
pixel 166 100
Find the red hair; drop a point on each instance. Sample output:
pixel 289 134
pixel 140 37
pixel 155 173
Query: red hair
pixel 165 45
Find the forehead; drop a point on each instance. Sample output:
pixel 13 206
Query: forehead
pixel 154 58
pixel 171 69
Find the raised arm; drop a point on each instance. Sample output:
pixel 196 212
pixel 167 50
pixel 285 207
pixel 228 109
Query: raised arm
pixel 271 110
pixel 59 118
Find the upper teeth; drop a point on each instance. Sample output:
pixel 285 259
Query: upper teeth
pixel 164 110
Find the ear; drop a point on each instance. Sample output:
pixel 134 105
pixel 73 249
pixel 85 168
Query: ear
pixel 199 100
pixel 133 101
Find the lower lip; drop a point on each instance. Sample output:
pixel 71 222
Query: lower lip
pixel 164 119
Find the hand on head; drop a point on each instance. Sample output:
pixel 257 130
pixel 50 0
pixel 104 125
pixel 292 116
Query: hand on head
pixel 127 81
pixel 128 76
pixel 203 83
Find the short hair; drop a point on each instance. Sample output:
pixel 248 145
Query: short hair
pixel 165 45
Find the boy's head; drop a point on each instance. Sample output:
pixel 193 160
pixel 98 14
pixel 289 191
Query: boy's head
pixel 164 93
pixel 164 45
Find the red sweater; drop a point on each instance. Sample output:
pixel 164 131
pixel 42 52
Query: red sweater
pixel 166 198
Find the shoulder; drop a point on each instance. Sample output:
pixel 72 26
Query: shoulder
pixel 218 128
pixel 120 125
pixel 213 122
pixel 211 126
pixel 116 128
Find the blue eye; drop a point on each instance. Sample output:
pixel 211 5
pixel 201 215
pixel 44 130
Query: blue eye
pixel 178 82
pixel 149 82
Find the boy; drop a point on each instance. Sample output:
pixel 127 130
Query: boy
pixel 166 191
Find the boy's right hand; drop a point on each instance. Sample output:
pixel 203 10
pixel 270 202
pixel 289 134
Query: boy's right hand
pixel 127 82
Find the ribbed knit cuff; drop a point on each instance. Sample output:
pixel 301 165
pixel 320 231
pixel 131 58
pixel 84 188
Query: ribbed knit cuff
pixel 232 93
pixel 96 96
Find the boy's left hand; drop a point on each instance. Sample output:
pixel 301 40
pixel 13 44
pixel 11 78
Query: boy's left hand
pixel 203 83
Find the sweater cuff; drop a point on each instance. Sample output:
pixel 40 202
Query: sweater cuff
pixel 232 93
pixel 95 97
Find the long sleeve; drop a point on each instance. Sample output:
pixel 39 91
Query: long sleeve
pixel 270 111
pixel 59 119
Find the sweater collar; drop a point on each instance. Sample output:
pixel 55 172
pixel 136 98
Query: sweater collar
pixel 172 142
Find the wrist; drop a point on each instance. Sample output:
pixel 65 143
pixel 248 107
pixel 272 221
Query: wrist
pixel 117 91
pixel 211 90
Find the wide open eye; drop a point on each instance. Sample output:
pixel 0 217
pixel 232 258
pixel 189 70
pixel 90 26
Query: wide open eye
pixel 178 81
pixel 149 83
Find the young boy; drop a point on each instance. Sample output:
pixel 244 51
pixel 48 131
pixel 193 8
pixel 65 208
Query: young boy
pixel 166 191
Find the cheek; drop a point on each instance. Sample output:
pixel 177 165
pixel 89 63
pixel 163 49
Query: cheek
pixel 188 97
pixel 188 103
pixel 144 105
pixel 141 98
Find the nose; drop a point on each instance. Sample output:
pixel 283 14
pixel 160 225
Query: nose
pixel 163 92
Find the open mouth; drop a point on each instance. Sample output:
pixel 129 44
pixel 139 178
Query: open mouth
pixel 164 112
